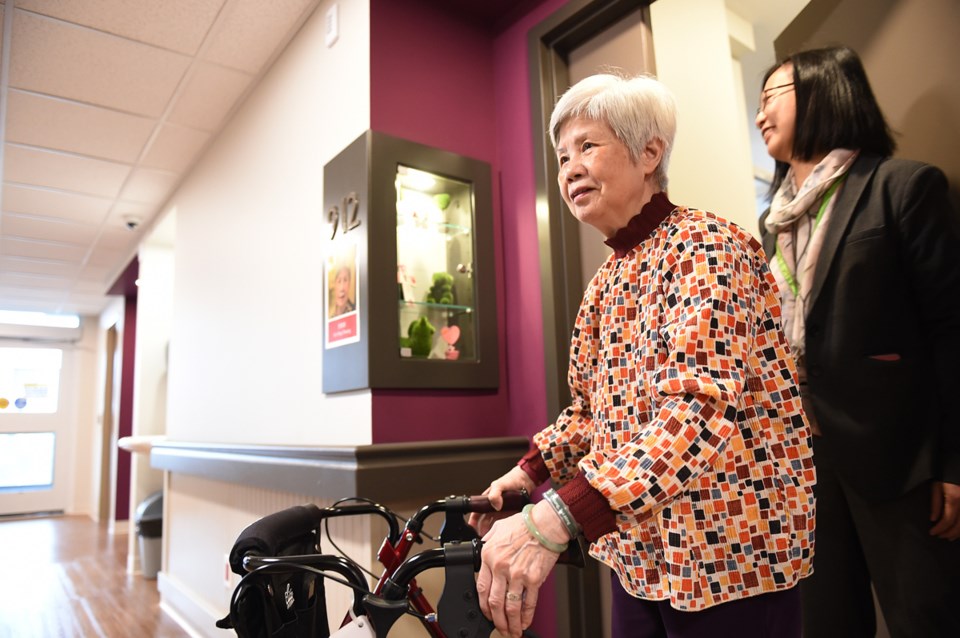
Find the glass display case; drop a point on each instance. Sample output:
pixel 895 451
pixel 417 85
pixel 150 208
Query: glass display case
pixel 435 266
pixel 410 268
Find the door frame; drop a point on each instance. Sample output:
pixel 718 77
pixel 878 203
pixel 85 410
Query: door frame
pixel 108 432
pixel 579 613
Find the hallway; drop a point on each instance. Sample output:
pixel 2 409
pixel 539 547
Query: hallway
pixel 65 577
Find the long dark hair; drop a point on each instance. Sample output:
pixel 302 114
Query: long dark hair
pixel 836 107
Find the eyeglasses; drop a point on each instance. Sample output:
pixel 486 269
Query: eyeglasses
pixel 766 97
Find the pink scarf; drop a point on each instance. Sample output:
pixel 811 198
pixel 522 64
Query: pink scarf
pixel 800 218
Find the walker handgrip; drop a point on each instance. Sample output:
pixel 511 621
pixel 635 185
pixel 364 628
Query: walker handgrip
pixel 513 501
pixel 270 535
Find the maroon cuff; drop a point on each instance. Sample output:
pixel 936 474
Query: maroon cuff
pixel 533 464
pixel 589 507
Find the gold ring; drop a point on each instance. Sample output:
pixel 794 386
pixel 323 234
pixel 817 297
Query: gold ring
pixel 512 597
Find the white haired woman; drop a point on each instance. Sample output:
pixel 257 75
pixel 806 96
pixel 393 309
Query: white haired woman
pixel 684 458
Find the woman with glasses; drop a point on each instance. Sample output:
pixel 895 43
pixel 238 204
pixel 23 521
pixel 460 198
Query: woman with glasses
pixel 866 253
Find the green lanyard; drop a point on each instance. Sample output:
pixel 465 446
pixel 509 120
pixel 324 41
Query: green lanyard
pixel 791 280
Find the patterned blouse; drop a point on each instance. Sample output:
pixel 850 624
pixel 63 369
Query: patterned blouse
pixel 686 415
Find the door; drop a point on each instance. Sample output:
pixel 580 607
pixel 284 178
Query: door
pixel 36 407
pixel 624 46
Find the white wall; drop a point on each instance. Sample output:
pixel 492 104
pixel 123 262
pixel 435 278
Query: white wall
pixel 768 19
pixel 711 167
pixel 194 582
pixel 246 346
pixel 80 362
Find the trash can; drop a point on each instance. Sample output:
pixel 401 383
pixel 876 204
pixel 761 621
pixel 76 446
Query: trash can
pixel 149 531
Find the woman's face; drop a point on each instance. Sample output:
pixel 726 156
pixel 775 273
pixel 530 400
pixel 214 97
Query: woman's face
pixel 341 286
pixel 777 115
pixel 600 183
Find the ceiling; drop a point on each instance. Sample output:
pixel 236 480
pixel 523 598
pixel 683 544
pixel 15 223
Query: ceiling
pixel 105 105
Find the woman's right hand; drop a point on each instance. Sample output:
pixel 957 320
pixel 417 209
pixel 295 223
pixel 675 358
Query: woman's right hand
pixel 515 479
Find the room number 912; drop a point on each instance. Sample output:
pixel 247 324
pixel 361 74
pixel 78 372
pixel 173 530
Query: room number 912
pixel 346 216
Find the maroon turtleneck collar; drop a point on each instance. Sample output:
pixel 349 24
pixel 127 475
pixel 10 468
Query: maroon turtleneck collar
pixel 641 225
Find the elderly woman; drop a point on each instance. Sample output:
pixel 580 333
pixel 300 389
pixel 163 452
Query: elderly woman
pixel 684 458
pixel 342 304
pixel 865 249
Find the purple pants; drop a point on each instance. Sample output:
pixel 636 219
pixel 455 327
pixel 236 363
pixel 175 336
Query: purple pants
pixel 774 615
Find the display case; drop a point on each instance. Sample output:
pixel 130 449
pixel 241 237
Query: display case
pixel 409 268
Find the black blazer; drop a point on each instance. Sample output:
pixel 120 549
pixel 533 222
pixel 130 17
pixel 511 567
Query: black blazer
pixel 883 328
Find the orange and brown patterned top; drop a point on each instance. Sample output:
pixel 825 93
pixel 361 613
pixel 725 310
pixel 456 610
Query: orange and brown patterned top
pixel 687 418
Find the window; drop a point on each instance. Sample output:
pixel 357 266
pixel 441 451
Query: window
pixel 29 380
pixel 26 460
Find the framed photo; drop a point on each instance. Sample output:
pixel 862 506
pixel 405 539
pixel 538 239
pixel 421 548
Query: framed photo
pixel 342 312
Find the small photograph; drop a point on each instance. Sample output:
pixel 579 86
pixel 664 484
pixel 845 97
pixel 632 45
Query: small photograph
pixel 342 285
pixel 342 314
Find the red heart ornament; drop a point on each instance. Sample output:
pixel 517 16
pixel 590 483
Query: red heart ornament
pixel 450 334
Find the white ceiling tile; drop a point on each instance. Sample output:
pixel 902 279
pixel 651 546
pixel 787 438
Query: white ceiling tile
pixel 60 251
pixel 118 238
pixel 92 277
pixel 28 165
pixel 172 24
pixel 62 59
pixel 149 186
pixel 106 257
pixel 175 148
pixel 28 298
pixel 247 34
pixel 88 304
pixel 70 126
pixel 21 293
pixel 51 203
pixel 34 227
pixel 34 281
pixel 93 137
pixel 143 212
pixel 208 96
pixel 91 305
pixel 116 232
pixel 38 266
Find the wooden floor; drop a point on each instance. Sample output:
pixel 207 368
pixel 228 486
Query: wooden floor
pixel 66 577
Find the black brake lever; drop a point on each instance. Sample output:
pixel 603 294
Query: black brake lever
pixel 455 529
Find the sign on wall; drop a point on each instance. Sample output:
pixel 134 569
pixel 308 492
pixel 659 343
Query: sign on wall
pixel 343 313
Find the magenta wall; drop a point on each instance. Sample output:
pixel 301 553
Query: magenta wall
pixel 431 81
pixel 521 257
pixel 526 383
pixel 431 78
pixel 448 82
pixel 445 81
pixel 125 416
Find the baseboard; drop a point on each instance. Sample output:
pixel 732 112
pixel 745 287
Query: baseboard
pixel 185 607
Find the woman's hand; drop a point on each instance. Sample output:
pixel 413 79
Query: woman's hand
pixel 945 511
pixel 515 479
pixel 513 567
